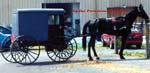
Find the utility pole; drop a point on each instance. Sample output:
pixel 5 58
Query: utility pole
pixel 147 41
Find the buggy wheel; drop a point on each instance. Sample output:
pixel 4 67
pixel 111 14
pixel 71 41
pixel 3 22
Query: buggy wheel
pixel 54 56
pixel 69 49
pixel 75 46
pixel 24 54
pixel 7 56
pixel 66 52
pixel 6 52
pixel 63 54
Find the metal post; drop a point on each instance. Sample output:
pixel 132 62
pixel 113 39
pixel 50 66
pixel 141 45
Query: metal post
pixel 115 45
pixel 147 42
pixel 115 42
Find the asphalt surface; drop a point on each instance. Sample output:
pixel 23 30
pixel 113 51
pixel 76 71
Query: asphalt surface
pixel 109 63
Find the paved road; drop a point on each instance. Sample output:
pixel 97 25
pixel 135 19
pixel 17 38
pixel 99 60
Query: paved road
pixel 109 63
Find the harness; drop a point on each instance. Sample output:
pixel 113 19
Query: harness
pixel 119 21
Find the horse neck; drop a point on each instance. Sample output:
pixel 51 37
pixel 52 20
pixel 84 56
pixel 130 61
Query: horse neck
pixel 130 18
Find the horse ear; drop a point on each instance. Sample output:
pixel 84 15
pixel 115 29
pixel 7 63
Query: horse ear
pixel 141 6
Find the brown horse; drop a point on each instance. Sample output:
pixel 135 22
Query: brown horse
pixel 102 25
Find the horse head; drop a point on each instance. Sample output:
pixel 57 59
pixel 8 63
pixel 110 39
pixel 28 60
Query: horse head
pixel 142 13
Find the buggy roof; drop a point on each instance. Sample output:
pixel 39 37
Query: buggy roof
pixel 53 10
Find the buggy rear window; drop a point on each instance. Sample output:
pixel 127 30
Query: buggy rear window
pixel 54 19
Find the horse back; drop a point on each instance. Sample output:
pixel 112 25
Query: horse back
pixel 106 26
pixel 110 27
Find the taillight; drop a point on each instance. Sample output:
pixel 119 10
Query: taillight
pixel 12 37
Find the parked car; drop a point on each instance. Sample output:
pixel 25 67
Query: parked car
pixel 107 39
pixel 134 38
pixel 5 29
pixel 5 34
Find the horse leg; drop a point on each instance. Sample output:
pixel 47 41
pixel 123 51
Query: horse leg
pixel 123 44
pixel 93 47
pixel 89 50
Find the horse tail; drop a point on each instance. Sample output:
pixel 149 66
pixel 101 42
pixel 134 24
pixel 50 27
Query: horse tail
pixel 84 33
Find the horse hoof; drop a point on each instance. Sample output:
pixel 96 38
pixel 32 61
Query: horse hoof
pixel 90 59
pixel 97 58
pixel 122 58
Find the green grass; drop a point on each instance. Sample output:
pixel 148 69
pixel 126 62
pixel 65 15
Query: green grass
pixel 79 46
pixel 134 54
pixel 126 53
pixel 144 46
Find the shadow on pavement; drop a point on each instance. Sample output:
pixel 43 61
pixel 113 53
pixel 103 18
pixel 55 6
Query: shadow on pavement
pixel 56 63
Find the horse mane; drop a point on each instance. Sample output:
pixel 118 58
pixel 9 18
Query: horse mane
pixel 121 18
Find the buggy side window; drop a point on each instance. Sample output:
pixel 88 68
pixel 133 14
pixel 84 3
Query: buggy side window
pixel 54 19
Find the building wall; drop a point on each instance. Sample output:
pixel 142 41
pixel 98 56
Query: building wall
pixel 6 7
pixel 4 11
pixel 119 3
pixel 85 5
pixel 130 3
pixel 102 5
pixel 146 4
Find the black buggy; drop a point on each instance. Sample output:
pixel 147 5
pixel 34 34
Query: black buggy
pixel 35 29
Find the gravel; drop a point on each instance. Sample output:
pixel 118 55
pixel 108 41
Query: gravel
pixel 109 63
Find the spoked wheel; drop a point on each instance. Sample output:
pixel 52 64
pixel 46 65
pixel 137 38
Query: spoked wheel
pixel 69 50
pixel 54 56
pixel 75 46
pixel 62 54
pixel 66 51
pixel 24 54
pixel 6 52
pixel 7 55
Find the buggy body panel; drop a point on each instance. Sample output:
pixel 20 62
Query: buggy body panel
pixel 33 23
